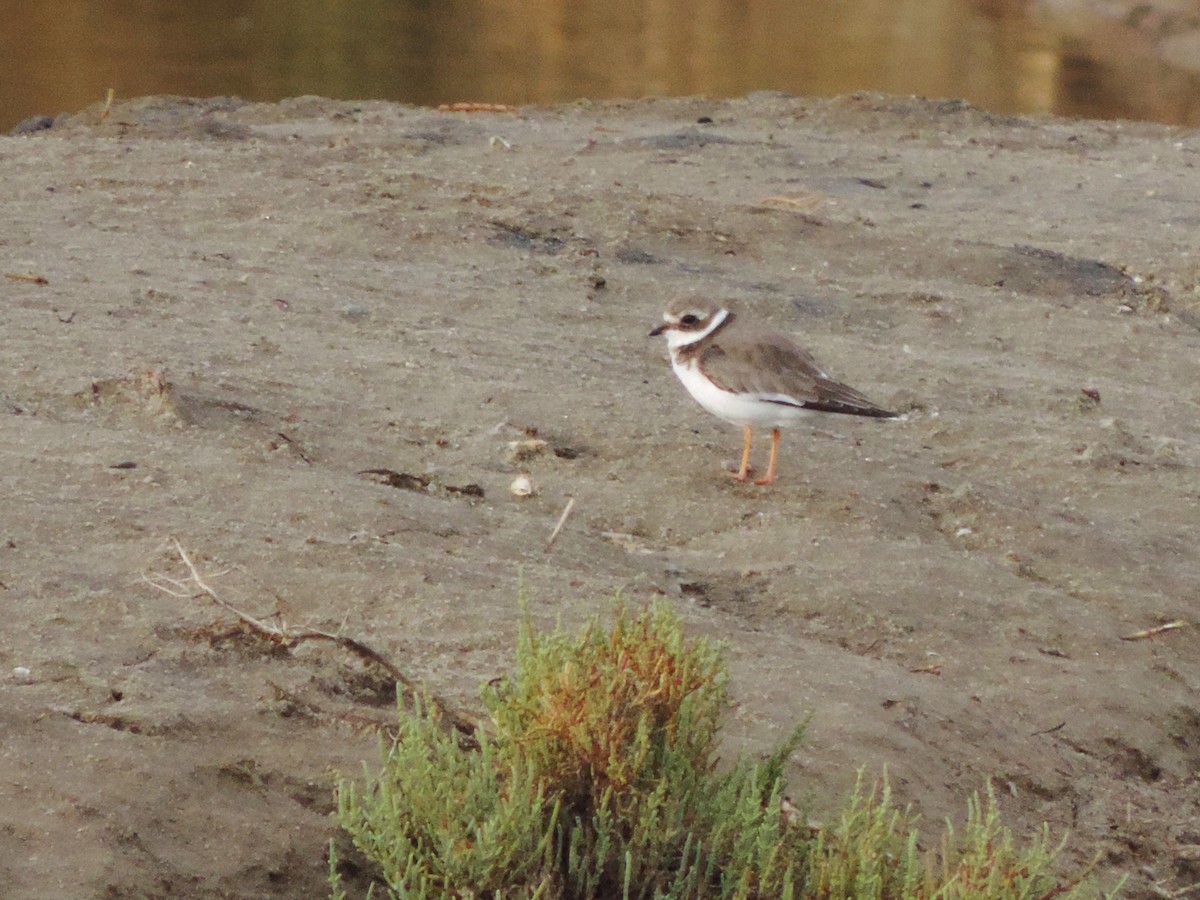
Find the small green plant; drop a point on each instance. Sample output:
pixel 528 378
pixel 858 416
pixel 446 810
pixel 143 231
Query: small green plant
pixel 598 778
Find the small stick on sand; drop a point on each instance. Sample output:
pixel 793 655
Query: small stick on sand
pixel 21 276
pixel 477 107
pixel 1156 630
pixel 108 102
pixel 562 520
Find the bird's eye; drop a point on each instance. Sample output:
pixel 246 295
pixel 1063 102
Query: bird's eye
pixel 689 319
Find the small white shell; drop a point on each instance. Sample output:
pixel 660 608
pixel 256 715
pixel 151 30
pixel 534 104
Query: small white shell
pixel 522 486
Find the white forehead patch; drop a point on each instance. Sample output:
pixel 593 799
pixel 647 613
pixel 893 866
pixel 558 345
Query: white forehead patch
pixel 677 338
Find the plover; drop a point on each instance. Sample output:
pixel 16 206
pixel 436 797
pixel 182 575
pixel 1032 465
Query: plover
pixel 750 376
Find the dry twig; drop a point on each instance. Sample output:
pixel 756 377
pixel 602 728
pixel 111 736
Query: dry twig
pixel 31 278
pixel 562 520
pixel 805 202
pixel 1153 632
pixel 476 107
pixel 931 669
pixel 196 585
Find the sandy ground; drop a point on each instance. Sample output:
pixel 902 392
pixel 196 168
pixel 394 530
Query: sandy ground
pixel 247 307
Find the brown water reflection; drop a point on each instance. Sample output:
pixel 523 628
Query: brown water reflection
pixel 64 55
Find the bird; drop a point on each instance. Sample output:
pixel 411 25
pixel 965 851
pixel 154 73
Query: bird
pixel 751 376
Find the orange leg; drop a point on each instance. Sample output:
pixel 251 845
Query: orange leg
pixel 770 476
pixel 743 474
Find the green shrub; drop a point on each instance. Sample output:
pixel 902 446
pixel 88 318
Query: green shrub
pixel 598 779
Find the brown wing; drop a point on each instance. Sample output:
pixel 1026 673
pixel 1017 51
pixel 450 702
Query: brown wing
pixel 771 364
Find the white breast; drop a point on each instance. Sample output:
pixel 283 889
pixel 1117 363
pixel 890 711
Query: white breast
pixel 759 410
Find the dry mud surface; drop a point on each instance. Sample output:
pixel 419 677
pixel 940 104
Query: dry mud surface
pixel 247 307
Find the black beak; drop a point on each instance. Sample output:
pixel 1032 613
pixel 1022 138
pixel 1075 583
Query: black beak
pixel 659 330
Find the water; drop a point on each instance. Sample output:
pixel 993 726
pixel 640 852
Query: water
pixel 64 55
